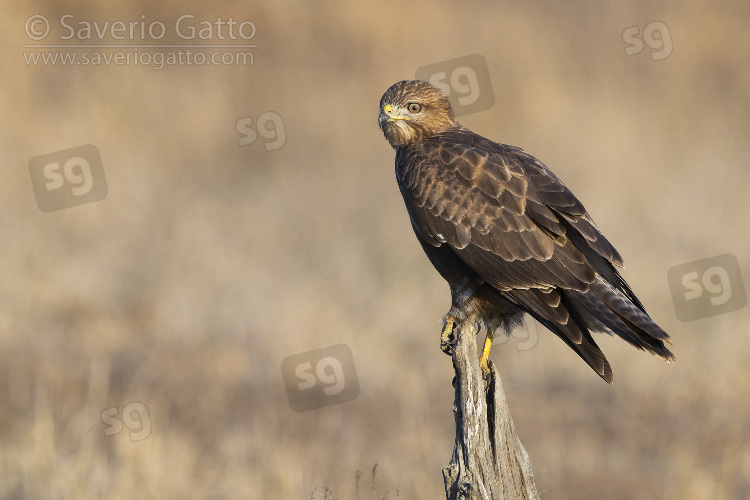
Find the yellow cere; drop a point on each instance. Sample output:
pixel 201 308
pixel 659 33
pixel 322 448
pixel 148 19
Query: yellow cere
pixel 388 110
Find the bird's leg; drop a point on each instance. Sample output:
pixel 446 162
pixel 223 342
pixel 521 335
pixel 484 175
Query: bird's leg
pixel 447 339
pixel 484 359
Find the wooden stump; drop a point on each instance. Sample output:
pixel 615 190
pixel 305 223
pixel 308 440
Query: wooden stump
pixel 488 462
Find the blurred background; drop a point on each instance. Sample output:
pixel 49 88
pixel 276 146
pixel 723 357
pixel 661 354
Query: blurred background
pixel 251 214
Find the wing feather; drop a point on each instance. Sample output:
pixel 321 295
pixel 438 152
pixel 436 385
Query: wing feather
pixel 487 200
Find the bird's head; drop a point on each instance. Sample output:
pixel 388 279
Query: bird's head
pixel 412 110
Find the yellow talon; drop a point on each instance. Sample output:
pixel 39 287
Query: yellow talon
pixel 484 359
pixel 447 329
pixel 446 340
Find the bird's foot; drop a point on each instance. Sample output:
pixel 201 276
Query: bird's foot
pixel 484 364
pixel 484 360
pixel 447 338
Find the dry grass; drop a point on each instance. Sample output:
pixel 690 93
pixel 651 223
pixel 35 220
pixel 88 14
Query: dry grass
pixel 208 263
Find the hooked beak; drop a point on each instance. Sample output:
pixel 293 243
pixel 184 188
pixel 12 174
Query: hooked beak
pixel 386 115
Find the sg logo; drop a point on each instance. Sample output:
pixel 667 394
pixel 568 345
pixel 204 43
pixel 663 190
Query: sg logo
pixel 68 178
pixel 320 378
pixel 134 415
pixel 526 335
pixel 465 80
pixel 707 287
pixel 274 137
pixel 655 35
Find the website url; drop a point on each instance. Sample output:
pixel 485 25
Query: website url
pixel 157 60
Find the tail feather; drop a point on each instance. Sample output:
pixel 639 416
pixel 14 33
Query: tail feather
pixel 613 310
pixel 573 315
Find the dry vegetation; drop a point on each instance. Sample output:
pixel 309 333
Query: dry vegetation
pixel 208 263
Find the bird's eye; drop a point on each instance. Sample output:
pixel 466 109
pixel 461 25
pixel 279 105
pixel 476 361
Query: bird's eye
pixel 414 107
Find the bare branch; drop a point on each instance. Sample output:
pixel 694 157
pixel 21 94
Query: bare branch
pixel 488 462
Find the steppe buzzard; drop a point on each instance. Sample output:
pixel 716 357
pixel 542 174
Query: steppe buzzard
pixel 506 234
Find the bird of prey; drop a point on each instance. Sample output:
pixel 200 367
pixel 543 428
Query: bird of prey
pixel 506 234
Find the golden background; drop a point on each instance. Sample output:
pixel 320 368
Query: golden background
pixel 209 262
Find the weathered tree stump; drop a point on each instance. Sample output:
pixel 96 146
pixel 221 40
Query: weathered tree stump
pixel 488 462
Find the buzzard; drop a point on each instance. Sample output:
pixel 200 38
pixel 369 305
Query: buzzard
pixel 506 234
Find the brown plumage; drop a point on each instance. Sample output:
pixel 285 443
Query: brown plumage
pixel 506 234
